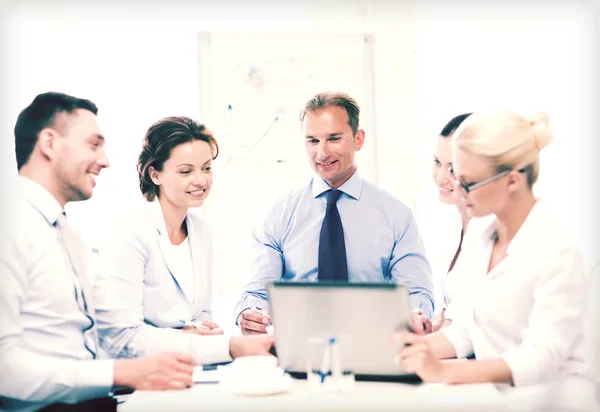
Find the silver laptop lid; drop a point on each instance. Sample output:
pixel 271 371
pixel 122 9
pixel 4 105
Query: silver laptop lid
pixel 362 315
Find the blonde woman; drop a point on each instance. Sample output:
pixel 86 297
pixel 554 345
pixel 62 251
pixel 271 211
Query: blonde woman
pixel 526 308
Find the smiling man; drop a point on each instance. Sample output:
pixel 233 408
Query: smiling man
pixel 56 311
pixel 338 227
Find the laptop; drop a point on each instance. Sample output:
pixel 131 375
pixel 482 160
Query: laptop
pixel 364 314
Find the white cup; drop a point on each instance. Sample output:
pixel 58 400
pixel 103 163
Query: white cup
pixel 254 363
pixel 247 371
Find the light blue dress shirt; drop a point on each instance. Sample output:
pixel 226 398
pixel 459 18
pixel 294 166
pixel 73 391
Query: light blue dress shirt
pixel 382 242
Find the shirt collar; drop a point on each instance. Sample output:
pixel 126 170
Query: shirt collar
pixel 157 216
pixel 352 187
pixel 40 198
pixel 522 238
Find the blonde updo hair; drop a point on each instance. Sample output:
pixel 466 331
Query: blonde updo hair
pixel 508 140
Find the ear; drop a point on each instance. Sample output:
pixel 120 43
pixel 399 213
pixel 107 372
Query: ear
pixel 359 139
pixel 515 181
pixel 154 175
pixel 48 142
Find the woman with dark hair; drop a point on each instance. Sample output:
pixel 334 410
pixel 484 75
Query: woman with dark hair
pixel 160 259
pixel 444 246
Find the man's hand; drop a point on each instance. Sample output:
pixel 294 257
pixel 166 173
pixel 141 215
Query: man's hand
pixel 207 327
pixel 421 325
pixel 250 345
pixel 156 372
pixel 440 321
pixel 253 323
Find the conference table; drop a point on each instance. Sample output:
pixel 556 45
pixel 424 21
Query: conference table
pixel 371 396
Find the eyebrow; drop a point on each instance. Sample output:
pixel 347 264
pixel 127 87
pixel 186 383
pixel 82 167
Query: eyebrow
pixel 97 136
pixel 191 165
pixel 464 179
pixel 336 134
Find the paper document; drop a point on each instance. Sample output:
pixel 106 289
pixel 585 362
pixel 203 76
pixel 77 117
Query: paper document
pixel 209 376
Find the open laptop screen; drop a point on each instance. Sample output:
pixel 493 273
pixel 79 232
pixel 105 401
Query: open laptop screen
pixel 362 315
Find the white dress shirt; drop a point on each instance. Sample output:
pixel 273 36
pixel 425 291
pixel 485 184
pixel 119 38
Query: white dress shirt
pixel 43 358
pixel 442 226
pixel 183 265
pixel 528 309
pixel 458 283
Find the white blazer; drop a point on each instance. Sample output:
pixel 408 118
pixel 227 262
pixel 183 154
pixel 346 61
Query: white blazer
pixel 137 255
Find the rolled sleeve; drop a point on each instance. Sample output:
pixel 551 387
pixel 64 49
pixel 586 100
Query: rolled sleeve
pixel 522 367
pixel 212 349
pixel 460 340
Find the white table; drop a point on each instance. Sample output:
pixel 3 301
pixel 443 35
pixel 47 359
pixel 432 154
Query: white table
pixel 371 396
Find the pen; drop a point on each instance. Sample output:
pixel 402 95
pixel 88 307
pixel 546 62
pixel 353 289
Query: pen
pixel 258 312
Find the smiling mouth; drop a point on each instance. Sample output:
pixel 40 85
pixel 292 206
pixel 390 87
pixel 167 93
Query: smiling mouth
pixel 327 164
pixel 444 190
pixel 93 176
pixel 199 192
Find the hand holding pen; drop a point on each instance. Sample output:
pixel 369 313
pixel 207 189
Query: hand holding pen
pixel 254 320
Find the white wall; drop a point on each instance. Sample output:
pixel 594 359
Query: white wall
pixel 529 58
pixel 432 61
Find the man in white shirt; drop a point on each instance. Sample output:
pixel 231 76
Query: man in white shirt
pixel 55 311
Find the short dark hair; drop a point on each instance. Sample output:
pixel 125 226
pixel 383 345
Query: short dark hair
pixel 160 140
pixel 453 124
pixel 40 114
pixel 339 99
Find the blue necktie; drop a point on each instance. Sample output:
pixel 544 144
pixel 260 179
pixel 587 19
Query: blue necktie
pixel 332 249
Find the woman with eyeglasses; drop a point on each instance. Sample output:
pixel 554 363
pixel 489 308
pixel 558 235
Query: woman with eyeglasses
pixel 528 300
pixel 445 244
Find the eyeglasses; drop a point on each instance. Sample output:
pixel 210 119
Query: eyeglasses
pixel 472 186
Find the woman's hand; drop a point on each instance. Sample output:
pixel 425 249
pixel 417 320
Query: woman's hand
pixel 416 357
pixel 206 327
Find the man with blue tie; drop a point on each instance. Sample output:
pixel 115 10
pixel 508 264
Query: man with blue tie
pixel 338 227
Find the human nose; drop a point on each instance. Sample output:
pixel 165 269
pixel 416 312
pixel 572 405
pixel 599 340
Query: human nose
pixel 103 160
pixel 323 151
pixel 200 178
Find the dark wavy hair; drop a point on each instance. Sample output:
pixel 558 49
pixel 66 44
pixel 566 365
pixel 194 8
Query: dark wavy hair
pixel 160 140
